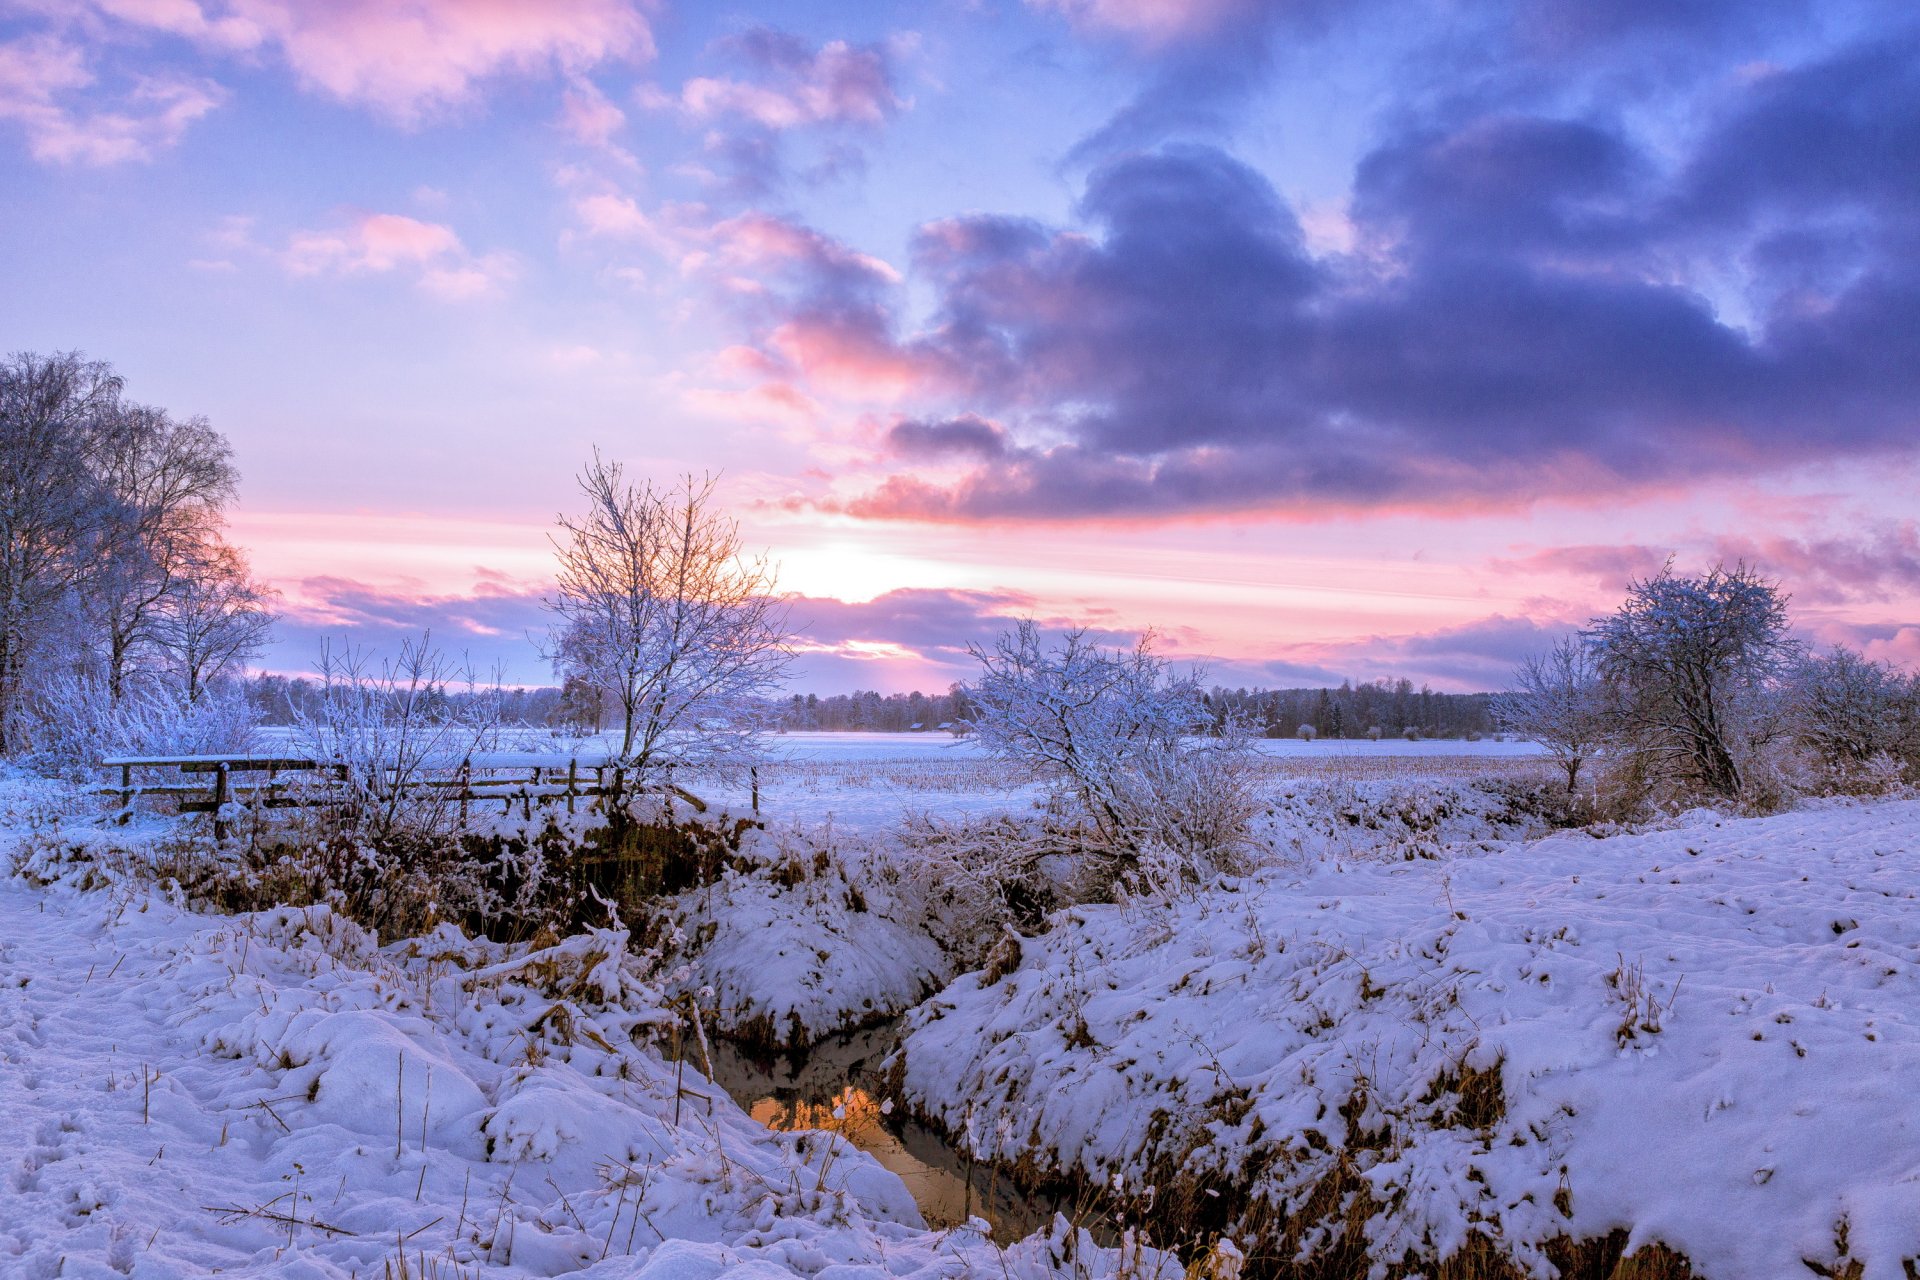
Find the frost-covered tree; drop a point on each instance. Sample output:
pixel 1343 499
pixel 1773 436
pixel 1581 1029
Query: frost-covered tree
pixel 1559 701
pixel 662 612
pixel 1120 731
pixel 52 508
pixel 385 725
pixel 114 580
pixel 1850 710
pixel 1692 663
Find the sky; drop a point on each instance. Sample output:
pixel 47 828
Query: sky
pixel 1324 338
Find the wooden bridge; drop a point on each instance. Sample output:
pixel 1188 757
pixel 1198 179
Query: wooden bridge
pixel 210 783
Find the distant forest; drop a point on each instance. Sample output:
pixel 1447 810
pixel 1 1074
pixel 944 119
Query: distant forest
pixel 1393 707
pixel 1351 711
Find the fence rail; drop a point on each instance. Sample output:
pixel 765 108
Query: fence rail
pixel 507 777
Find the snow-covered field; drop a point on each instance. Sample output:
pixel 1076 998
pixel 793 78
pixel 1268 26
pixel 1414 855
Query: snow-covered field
pixel 1419 1028
pixel 910 746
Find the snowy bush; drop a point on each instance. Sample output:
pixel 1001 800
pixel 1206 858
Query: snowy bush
pixel 74 721
pixel 381 727
pixel 1120 734
pixel 1558 701
pixel 1860 718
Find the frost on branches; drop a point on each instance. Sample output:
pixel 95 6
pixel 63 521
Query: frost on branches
pixel 1121 733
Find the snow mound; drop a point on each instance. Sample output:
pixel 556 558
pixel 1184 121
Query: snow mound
pixel 813 940
pixel 1706 1037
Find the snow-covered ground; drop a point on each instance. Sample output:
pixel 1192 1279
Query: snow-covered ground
pixel 1706 1037
pixel 1417 1025
pixel 277 1094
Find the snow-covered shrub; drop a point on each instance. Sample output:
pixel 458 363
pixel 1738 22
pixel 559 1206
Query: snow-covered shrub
pixel 1130 745
pixel 982 876
pixel 74 722
pixel 1859 718
pixel 381 728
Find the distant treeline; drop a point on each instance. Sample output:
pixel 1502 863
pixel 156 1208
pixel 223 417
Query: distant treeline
pixel 1392 707
pixel 1351 711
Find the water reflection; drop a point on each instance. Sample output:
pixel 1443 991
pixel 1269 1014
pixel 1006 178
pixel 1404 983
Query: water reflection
pixel 837 1086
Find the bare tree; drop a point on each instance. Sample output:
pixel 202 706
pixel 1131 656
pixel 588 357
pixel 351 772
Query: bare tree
pixel 1559 701
pixel 662 612
pixel 1692 661
pixel 211 621
pixel 51 505
pixel 384 725
pixel 168 482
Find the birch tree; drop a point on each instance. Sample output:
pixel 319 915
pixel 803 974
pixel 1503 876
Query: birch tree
pixel 51 507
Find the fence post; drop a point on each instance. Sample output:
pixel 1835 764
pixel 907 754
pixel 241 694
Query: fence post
pixel 753 772
pixel 126 794
pixel 466 788
pixel 573 781
pixel 220 801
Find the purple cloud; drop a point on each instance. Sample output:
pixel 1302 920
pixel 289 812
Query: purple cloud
pixel 1516 323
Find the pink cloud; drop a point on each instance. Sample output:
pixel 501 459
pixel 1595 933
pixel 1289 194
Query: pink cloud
pixel 838 83
pixel 383 242
pixel 40 79
pixel 589 116
pixel 615 216
pixel 847 359
pixel 407 59
pixel 1153 23
pixel 762 239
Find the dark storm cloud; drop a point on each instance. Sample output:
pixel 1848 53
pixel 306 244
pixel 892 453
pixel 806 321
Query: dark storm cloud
pixel 1518 320
pixel 966 435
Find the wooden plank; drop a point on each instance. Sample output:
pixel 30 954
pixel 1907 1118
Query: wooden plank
pixel 207 764
pixel 249 764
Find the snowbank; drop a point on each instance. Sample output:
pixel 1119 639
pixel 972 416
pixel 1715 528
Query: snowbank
pixel 1707 1037
pixel 812 940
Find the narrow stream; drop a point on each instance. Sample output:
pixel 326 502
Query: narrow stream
pixel 836 1085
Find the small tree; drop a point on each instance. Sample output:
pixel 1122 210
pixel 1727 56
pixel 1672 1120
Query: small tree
pixel 1558 701
pixel 663 614
pixel 1691 661
pixel 211 622
pixel 1120 732
pixel 384 725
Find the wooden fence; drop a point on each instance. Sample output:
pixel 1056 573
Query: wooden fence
pixel 209 783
